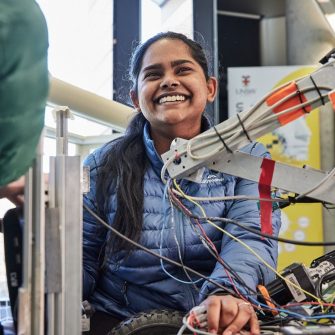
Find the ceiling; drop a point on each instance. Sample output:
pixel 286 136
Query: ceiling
pixel 265 8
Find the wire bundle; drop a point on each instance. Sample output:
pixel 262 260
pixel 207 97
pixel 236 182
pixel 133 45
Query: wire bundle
pixel 175 194
pixel 317 303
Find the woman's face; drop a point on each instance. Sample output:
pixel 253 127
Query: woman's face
pixel 172 88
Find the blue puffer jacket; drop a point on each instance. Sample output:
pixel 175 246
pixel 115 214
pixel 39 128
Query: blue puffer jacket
pixel 128 285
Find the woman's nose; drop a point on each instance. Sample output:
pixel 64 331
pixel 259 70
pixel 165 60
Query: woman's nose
pixel 169 82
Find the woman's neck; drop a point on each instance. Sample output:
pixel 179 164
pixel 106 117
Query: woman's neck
pixel 163 139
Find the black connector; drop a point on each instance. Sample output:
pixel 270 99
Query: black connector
pixel 325 59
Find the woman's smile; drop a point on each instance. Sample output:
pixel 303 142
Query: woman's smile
pixel 169 99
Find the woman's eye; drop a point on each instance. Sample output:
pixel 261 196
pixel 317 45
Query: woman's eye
pixel 184 69
pixel 151 75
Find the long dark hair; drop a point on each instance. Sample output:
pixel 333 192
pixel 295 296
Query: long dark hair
pixel 124 164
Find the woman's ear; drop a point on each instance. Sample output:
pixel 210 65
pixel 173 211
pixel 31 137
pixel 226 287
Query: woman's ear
pixel 134 99
pixel 212 87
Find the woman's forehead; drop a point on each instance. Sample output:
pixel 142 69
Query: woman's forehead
pixel 166 50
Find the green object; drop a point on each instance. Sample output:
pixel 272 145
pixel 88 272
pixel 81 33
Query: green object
pixel 24 85
pixel 275 204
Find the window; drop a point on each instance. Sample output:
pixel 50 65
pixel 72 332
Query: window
pixel 80 53
pixel 159 16
pixel 81 43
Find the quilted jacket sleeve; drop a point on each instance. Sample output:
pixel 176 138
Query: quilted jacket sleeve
pixel 249 265
pixel 93 235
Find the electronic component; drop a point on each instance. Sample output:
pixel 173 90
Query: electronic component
pixel 282 292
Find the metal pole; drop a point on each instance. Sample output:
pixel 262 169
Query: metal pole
pixel 64 252
pixel 31 294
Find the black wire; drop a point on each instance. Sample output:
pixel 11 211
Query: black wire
pixel 168 260
pixel 176 202
pixel 301 101
pixel 292 200
pixel 222 140
pixel 317 89
pixel 231 271
pixel 182 263
pixel 280 320
pixel 271 237
pixel 328 206
pixel 244 130
pixel 330 274
pixel 238 279
pixel 213 252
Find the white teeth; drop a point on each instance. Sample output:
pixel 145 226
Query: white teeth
pixel 172 98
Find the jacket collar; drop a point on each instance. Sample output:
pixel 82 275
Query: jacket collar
pixel 155 159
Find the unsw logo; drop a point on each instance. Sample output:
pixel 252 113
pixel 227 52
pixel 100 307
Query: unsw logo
pixel 246 80
pixel 245 90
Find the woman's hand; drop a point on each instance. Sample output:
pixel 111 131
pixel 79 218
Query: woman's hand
pixel 228 315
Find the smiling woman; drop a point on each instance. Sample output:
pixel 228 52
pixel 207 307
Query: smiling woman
pixel 172 92
pixel 171 88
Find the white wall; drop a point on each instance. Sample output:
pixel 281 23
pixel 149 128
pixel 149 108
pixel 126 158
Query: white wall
pixel 273 41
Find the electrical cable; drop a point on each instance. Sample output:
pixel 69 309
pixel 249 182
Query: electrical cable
pixel 177 243
pixel 139 246
pixel 244 130
pixel 257 232
pixel 246 246
pixel 152 253
pixel 168 260
pixel 271 237
pixel 254 120
pixel 222 140
pixel 211 247
pixel 232 197
pixel 187 212
pixel 209 244
pixel 295 314
pixel 329 275
pixel 254 124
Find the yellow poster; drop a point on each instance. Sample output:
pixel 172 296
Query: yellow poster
pixel 298 144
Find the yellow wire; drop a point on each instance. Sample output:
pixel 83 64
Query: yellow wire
pixel 246 246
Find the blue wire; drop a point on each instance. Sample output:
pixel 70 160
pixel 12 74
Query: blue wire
pixel 161 239
pixel 286 311
pixel 226 281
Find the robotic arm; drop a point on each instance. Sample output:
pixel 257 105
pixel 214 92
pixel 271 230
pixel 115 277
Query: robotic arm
pixel 217 148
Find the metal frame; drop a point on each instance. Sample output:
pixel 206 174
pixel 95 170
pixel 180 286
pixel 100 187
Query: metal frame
pixel 203 13
pixel 31 293
pixel 242 165
pixel 52 248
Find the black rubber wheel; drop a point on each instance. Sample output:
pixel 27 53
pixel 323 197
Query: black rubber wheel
pixel 156 322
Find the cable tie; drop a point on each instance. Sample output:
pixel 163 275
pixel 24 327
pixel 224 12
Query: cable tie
pixel 317 88
pixel 222 140
pixel 301 101
pixel 244 130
